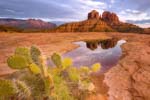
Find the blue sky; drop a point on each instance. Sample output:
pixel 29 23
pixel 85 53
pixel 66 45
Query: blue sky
pixel 135 11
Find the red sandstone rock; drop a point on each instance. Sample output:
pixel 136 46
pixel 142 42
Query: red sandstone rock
pixel 93 15
pixel 129 79
pixel 108 23
pixel 110 17
pixel 85 26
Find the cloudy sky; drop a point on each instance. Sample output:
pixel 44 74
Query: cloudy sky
pixel 135 11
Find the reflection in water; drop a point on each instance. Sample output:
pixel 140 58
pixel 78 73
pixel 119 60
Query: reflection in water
pixel 105 44
pixel 106 52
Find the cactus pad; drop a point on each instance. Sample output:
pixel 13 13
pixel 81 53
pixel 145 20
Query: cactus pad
pixel 34 68
pixel 56 58
pixel 17 62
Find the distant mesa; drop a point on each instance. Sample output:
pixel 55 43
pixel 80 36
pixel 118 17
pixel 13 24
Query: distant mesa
pixel 33 23
pixel 107 22
pixel 25 25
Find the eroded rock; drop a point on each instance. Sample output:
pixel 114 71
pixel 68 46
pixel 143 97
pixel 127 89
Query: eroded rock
pixel 93 15
pixel 110 17
pixel 109 22
pixel 130 78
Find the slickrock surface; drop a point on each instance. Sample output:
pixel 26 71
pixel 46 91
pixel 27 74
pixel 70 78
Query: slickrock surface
pixel 130 78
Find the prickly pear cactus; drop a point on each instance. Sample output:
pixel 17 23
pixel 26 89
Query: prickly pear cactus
pixel 84 69
pixel 56 58
pixel 67 62
pixel 35 54
pixel 17 62
pixel 34 68
pixel 74 74
pixel 48 85
pixel 40 82
pixel 23 51
pixel 36 84
pixel 23 90
pixel 86 85
pixel 7 88
pixel 96 67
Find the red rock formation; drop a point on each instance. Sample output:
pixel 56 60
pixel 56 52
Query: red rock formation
pixel 93 15
pixel 85 26
pixel 110 17
pixel 108 23
pixel 109 43
pixel 146 31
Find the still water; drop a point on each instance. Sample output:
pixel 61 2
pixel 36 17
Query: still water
pixel 106 52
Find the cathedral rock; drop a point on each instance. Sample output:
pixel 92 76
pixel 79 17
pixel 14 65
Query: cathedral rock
pixel 108 22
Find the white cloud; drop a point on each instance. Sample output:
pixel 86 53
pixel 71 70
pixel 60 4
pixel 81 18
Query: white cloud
pixel 82 7
pixel 129 14
pixel 134 15
pixel 78 8
pixel 59 19
pixel 133 11
pixel 145 25
pixel 112 1
pixel 92 3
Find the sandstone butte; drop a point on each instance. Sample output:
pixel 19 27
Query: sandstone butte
pixel 107 22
